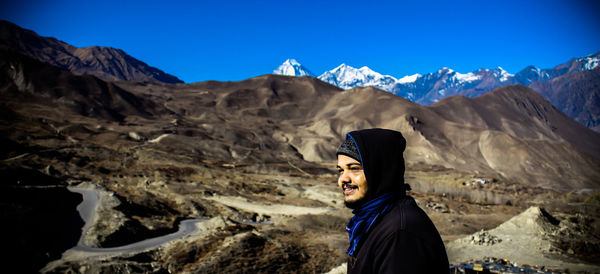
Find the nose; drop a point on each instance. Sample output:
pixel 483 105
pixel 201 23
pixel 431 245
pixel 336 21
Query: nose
pixel 343 179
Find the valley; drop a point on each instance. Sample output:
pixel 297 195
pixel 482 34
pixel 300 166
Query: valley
pixel 254 163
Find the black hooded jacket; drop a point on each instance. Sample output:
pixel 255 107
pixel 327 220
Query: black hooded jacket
pixel 403 239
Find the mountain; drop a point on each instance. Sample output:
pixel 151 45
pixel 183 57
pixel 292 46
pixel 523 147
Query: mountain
pixel 451 83
pixel 512 125
pixel 430 88
pixel 530 75
pixel 343 76
pixel 433 87
pixel 577 94
pixel 106 63
pixel 274 118
pixel 573 88
pixel 291 67
pixel 590 62
pixel 524 119
pixel 24 78
pixel 346 77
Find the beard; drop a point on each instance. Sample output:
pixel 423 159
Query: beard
pixel 355 204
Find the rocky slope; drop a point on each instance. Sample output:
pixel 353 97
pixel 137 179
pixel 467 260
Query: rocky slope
pixel 575 94
pixel 106 63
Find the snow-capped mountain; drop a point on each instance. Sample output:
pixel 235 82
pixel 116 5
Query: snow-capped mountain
pixel 530 75
pixel 424 89
pixel 432 87
pixel 347 77
pixel 590 62
pixel 291 67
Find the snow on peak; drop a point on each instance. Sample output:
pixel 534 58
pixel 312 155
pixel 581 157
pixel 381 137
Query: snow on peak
pixel 591 62
pixel 291 67
pixel 346 77
pixel 367 70
pixel 292 62
pixel 341 67
pixel 467 77
pixel 445 70
pixel 409 78
pixel 502 74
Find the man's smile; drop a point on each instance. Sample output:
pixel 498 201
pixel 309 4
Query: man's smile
pixel 349 189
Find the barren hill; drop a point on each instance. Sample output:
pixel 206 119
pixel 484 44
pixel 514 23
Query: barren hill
pixel 105 63
pixel 545 147
pixel 303 119
pixel 53 89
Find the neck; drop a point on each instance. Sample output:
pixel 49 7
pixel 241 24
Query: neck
pixel 374 203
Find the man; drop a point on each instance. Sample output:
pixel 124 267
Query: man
pixel 389 233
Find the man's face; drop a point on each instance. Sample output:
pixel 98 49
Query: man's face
pixel 352 180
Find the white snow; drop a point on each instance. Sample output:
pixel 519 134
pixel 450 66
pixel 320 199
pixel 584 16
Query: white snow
pixel 367 70
pixel 409 79
pixel 445 70
pixel 537 70
pixel 467 77
pixel 591 62
pixel 347 77
pixel 503 74
pixel 291 67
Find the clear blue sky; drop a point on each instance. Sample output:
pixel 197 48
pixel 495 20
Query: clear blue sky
pixel 235 40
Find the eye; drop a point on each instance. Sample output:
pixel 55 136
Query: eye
pixel 355 168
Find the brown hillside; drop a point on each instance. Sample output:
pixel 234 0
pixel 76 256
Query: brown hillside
pixel 27 83
pixel 474 134
pixel 105 63
pixel 576 94
pixel 522 113
pixel 279 119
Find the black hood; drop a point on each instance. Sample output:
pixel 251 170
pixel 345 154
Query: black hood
pixel 381 152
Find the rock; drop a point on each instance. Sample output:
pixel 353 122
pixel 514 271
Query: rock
pixel 440 207
pixel 484 238
pixel 136 136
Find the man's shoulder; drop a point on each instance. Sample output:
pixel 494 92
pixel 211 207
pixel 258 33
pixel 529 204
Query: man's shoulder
pixel 405 215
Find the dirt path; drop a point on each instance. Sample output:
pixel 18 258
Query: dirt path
pixel 87 209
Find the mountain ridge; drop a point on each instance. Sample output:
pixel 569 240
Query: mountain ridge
pixel 445 82
pixel 106 63
pixel 275 118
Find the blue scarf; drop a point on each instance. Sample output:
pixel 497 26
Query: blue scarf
pixel 364 218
